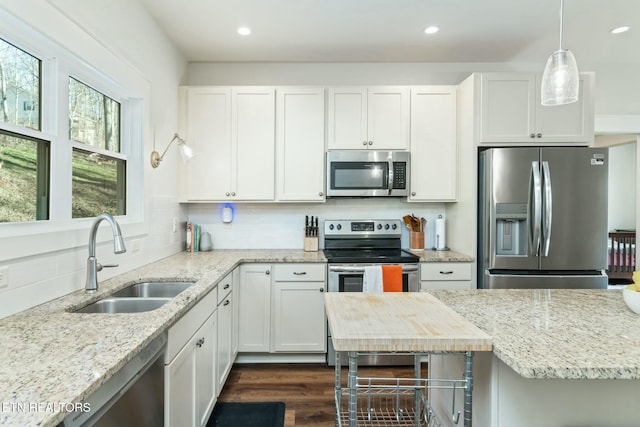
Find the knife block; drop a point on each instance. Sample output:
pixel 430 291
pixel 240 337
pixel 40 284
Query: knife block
pixel 311 244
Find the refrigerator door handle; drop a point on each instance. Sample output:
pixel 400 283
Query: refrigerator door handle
pixel 535 204
pixel 548 212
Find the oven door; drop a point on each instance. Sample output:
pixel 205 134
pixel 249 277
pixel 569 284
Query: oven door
pixel 349 277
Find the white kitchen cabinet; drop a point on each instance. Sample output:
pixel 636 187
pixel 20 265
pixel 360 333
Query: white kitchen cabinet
pixel 235 321
pixel 375 118
pixel 433 144
pixel 225 327
pixel 300 143
pixel 255 308
pixel 299 322
pixel 205 117
pixel 253 144
pixel 190 379
pixel 445 275
pixel 232 131
pixel 511 112
pixel 190 365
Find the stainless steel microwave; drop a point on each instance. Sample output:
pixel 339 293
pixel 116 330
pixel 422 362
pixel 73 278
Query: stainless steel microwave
pixel 367 173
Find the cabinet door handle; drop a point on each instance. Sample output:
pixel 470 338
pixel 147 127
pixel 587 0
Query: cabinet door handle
pixel 321 194
pixel 267 272
pixel 226 286
pixel 539 135
pixel 321 290
pixel 446 272
pixel 533 135
pixel 233 193
pixel 364 142
pixel 227 302
pixel 413 193
pixel 227 194
pixel 370 142
pixel 200 342
pixel 299 273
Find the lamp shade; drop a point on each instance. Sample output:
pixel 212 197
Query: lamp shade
pixel 186 151
pixel 560 80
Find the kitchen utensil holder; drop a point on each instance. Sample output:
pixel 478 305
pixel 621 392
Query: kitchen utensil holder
pixel 311 244
pixel 416 240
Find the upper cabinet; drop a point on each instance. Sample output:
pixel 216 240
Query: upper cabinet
pixel 232 131
pixel 433 144
pixel 375 118
pixel 300 144
pixel 511 112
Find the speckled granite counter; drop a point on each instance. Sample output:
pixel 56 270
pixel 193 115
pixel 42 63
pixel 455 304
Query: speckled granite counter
pixel 429 255
pixel 51 356
pixel 569 334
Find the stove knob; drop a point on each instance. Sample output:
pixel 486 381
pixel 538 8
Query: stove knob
pixel 379 226
pixel 339 227
pixel 386 226
pixel 330 226
pixel 394 226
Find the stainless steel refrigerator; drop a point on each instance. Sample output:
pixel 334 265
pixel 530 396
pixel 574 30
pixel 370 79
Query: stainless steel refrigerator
pixel 542 217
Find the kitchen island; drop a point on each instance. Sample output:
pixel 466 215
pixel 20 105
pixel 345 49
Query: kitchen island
pixel 560 358
pixel 415 323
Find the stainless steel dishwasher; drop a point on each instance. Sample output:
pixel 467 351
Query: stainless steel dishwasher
pixel 132 397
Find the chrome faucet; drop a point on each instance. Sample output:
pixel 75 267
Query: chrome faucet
pixel 93 266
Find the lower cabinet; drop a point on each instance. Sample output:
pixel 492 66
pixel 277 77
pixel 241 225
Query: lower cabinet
pixel 225 327
pixel 445 275
pixel 190 375
pixel 282 308
pixel 255 308
pixel 299 322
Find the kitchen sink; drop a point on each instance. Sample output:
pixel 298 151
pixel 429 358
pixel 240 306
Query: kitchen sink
pixel 153 290
pixel 123 305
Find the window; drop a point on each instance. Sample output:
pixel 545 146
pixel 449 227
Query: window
pixel 24 160
pixel 24 178
pixel 98 171
pixel 19 87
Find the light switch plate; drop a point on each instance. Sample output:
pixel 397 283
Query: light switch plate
pixel 4 277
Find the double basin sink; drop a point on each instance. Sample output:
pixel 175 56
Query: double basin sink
pixel 137 298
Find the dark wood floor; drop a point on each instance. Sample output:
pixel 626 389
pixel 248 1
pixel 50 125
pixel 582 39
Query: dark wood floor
pixel 306 389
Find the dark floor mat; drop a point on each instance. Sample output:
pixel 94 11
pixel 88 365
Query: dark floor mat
pixel 247 414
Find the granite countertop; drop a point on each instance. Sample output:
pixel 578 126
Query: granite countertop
pixel 568 334
pixel 431 255
pixel 52 357
pixel 399 322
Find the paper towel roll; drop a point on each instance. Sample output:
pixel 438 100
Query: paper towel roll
pixel 441 238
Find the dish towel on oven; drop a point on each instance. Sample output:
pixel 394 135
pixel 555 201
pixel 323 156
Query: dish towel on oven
pixel 392 278
pixel 372 279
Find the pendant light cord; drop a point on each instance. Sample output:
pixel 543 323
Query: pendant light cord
pixel 561 23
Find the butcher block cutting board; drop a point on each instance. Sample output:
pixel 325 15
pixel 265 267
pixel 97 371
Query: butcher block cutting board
pixel 399 322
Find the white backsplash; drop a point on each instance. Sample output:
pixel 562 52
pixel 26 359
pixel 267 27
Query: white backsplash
pixel 280 226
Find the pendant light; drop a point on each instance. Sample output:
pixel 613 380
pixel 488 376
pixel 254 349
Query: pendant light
pixel 560 80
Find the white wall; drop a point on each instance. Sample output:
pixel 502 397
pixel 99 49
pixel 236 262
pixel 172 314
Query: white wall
pixel 119 38
pixel 622 187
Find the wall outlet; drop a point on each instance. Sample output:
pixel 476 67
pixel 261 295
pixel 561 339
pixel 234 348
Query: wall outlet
pixel 4 277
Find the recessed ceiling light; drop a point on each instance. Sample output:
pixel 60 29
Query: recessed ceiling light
pixel 244 31
pixel 431 30
pixel 619 30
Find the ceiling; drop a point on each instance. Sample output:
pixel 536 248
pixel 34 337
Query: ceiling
pixel 392 30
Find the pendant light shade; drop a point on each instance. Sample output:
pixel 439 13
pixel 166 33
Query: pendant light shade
pixel 560 80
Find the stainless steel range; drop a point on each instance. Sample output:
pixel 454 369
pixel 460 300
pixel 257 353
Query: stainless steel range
pixel 349 246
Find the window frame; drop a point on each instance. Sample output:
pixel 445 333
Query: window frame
pixel 58 64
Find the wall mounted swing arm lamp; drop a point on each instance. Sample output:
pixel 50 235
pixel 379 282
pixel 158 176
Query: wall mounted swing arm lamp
pixel 185 150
